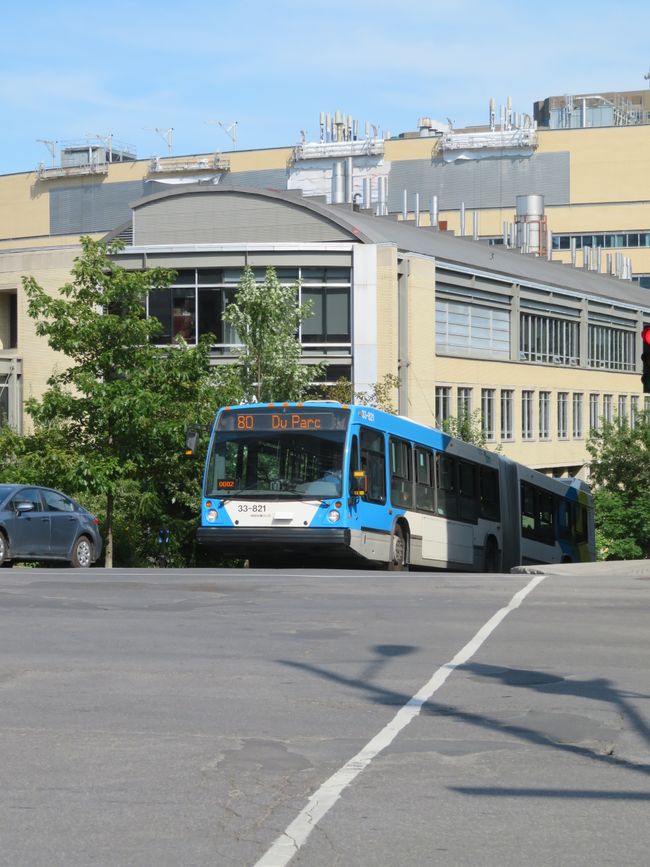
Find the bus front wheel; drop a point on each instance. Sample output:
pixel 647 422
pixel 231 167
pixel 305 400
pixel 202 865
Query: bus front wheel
pixel 397 562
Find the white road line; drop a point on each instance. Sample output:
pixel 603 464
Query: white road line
pixel 293 838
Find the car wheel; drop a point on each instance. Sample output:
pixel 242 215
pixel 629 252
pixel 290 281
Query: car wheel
pixel 397 562
pixel 4 550
pixel 82 554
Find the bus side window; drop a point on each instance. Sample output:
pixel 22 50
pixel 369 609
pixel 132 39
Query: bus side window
pixel 489 506
pixel 373 463
pixel 565 520
pixel 401 486
pixel 446 487
pixel 424 491
pixel 537 514
pixel 545 503
pixel 466 491
pixel 527 510
pixel 580 523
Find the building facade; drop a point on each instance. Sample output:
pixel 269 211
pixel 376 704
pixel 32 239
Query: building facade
pixel 504 325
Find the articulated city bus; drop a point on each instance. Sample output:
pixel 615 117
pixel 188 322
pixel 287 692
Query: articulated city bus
pixel 322 482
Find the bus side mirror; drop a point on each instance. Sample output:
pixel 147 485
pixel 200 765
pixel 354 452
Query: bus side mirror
pixel 191 442
pixel 359 483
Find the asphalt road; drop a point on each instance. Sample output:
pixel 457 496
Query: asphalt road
pixel 219 717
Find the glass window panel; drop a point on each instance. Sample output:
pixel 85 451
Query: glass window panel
pixel 313 326
pixel 288 276
pixel 183 314
pixel 4 399
pixel 210 276
pixel 185 277
pixel 338 313
pixel 229 335
pixel 210 311
pixel 160 306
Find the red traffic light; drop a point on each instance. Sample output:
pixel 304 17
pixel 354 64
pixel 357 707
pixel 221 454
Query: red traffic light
pixel 645 336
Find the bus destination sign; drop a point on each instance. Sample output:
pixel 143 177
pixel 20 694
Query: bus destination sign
pixel 285 420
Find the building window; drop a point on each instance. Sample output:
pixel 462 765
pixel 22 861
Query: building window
pixel 577 415
pixel 195 304
pixel 527 415
pixel 10 393
pixel 544 415
pixel 330 318
pixel 443 404
pixel 611 348
pixel 507 402
pixel 634 411
pixel 487 413
pixel 463 328
pixel 622 406
pixel 4 399
pixel 8 320
pixel 607 408
pixel 563 415
pixel 464 403
pixel 548 340
pixel 609 239
pixel 594 412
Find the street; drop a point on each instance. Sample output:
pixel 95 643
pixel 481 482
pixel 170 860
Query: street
pixel 231 718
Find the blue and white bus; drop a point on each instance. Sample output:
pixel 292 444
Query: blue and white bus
pixel 322 482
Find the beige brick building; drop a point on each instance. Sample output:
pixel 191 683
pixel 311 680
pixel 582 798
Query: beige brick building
pixel 498 324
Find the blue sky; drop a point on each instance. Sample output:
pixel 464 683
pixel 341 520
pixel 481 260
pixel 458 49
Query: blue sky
pixel 70 70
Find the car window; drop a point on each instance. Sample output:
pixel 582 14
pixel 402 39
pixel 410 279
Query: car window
pixel 28 495
pixel 56 502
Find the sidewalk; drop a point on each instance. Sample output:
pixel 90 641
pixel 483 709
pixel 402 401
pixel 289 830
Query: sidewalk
pixel 639 568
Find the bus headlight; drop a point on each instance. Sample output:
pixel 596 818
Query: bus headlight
pixel 333 516
pixel 212 515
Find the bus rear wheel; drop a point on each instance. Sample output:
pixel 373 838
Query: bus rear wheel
pixel 397 562
pixel 491 555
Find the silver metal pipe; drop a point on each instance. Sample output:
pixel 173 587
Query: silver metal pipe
pixel 462 219
pixel 417 210
pixel 405 208
pixel 367 195
pixel 434 211
pixel 348 180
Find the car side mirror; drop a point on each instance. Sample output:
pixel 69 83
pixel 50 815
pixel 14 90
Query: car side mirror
pixel 24 507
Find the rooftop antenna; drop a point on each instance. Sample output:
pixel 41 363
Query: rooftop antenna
pixel 50 145
pixel 647 76
pixel 166 134
pixel 230 130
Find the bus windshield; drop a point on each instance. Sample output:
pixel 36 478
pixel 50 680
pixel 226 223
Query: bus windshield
pixel 275 465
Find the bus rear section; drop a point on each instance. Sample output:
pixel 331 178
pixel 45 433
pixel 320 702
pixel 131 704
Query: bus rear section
pixel 557 519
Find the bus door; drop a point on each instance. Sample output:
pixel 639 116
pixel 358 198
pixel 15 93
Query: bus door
pixel 370 511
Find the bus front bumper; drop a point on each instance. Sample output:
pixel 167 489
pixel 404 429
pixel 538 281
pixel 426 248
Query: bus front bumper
pixel 247 541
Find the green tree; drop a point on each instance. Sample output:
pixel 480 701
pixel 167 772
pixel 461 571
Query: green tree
pixel 380 395
pixel 266 317
pixel 467 427
pixel 112 420
pixel 620 472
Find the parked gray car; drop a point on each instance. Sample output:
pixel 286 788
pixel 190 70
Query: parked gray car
pixel 43 524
